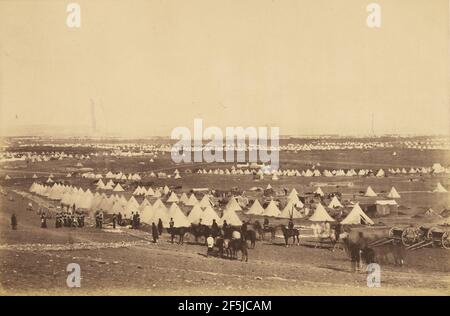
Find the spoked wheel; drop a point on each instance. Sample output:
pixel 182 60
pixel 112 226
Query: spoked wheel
pixel 409 236
pixel 446 240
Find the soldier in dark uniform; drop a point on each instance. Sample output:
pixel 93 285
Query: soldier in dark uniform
pixel 160 227
pixel 101 220
pixel 171 223
pixel 214 229
pixel 43 221
pixel 244 228
pixel 13 221
pixel 154 233
pixel 133 220
pixel 224 226
pixel 291 224
pixel 266 224
pixel 114 220
pixel 138 221
pixel 119 219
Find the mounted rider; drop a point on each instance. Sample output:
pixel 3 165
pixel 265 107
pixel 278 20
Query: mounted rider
pixel 266 224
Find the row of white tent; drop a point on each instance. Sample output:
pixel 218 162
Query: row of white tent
pixel 393 193
pixel 317 173
pixel 150 213
pixel 110 175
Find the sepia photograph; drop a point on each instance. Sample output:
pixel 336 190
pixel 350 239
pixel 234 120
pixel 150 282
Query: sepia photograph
pixel 224 148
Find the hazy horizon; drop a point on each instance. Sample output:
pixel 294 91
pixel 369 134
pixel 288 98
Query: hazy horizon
pixel 142 68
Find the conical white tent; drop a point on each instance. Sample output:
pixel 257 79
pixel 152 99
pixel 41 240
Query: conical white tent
pixel 370 192
pixel 192 200
pixel 144 204
pixel 321 215
pixel 205 201
pixel 183 198
pixel 209 215
pixel 272 210
pixel 357 216
pixel 100 184
pixel 231 218
pixel 334 203
pixel 118 188
pixel 166 189
pixel 147 214
pixel 380 173
pixel 296 201
pixel 319 191
pixel 233 205
pixel 178 217
pixel 290 211
pixel 160 212
pixel 133 204
pixel 150 192
pixel 439 188
pixel 173 198
pixel 138 191
pixel 293 193
pixel 195 214
pixel 256 209
pixel 393 194
pixel 158 204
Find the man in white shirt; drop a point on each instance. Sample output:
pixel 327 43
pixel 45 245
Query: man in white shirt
pixel 210 243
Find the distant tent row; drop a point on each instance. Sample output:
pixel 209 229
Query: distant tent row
pixel 149 213
pixel 123 176
pixel 327 173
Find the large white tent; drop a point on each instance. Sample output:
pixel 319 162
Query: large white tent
pixel 321 215
pixel 256 209
pixel 393 194
pixel 357 216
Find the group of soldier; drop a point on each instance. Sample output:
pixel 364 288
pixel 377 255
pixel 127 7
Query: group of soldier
pixel 67 219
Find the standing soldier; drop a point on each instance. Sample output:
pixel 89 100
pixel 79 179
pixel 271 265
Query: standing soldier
pixel 160 226
pixel 154 233
pixel 101 220
pixel 13 221
pixel 43 221
pixel 133 220
pixel 138 221
pixel 119 219
pixel 210 243
pixel 114 219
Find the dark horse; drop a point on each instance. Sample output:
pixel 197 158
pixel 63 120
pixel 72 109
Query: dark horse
pixel 250 235
pixel 178 231
pixel 262 231
pixel 287 233
pixel 199 230
pixel 224 246
pixel 239 245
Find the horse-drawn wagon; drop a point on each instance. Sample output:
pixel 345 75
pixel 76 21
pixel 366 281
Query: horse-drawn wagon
pixel 413 238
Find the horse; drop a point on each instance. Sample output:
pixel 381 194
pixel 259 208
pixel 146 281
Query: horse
pixel 263 230
pixel 200 230
pixel 287 233
pixel 250 235
pixel 224 247
pixel 331 236
pixel 178 231
pixel 239 245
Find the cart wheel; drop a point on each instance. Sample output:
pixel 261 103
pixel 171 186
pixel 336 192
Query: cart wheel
pixel 430 231
pixel 446 240
pixel 391 232
pixel 409 236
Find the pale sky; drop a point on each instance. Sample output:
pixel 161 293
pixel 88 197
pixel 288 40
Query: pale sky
pixel 306 66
